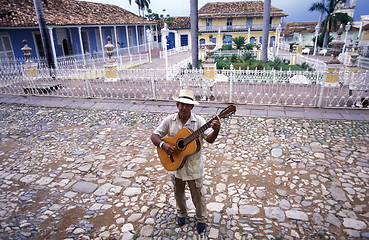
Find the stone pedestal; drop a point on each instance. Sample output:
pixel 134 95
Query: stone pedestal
pixel 209 70
pixel 258 54
pixel 31 69
pixel 111 72
pixel 332 76
pixel 293 59
pixel 299 49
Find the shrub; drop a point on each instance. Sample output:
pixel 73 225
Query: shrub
pixel 239 42
pixel 227 47
pixel 247 56
pixel 249 46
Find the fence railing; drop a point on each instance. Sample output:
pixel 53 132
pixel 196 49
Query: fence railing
pixel 174 51
pixel 132 55
pixel 342 88
pixel 363 62
pixel 228 53
pixel 216 28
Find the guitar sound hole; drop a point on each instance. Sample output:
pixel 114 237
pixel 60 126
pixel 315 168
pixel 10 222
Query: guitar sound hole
pixel 180 145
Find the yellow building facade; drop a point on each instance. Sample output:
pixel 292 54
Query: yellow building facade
pixel 228 20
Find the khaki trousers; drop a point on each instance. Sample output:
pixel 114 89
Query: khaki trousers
pixel 197 194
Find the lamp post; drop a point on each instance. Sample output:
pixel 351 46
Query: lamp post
pixel 278 30
pixel 347 28
pixel 317 30
pixel 164 34
pixel 149 39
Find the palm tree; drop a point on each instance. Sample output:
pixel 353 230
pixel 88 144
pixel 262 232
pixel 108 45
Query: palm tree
pixel 239 41
pixel 333 19
pixel 194 30
pixel 45 38
pixel 266 21
pixel 142 5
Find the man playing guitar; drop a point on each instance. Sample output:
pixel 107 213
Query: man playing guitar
pixel 192 170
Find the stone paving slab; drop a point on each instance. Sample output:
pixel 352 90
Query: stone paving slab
pixel 124 106
pixel 137 107
pixel 277 113
pixel 352 117
pixel 333 116
pixel 87 104
pixel 295 114
pixel 259 112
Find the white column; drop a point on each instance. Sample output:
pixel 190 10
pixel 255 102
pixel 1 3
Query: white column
pixel 149 40
pixel 129 51
pixel 145 37
pixel 177 40
pixel 102 42
pixel 137 40
pixel 81 44
pixel 116 40
pixel 157 36
pixel 360 30
pixel 53 46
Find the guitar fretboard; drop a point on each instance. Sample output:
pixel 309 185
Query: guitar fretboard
pixel 198 132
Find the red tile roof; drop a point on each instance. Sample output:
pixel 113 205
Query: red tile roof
pixel 299 27
pixel 17 13
pixel 237 9
pixel 180 22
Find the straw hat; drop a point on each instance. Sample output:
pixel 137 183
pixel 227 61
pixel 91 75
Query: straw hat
pixel 186 96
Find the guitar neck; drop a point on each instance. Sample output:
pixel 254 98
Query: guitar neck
pixel 198 132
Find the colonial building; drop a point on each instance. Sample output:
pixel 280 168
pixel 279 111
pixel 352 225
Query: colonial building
pixel 227 20
pixel 179 31
pixel 74 27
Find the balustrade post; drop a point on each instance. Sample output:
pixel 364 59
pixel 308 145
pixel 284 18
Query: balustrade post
pixel 231 83
pixel 87 84
pixel 153 87
pixel 110 66
pixel 30 68
pixel 322 86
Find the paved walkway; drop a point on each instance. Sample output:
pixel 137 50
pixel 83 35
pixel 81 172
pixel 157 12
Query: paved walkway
pixel 203 108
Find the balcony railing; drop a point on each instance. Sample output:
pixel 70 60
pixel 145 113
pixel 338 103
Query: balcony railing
pixel 238 28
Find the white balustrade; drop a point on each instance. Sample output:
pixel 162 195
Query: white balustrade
pixel 266 87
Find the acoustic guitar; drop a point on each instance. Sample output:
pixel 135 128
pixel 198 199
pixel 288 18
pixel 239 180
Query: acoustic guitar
pixel 187 142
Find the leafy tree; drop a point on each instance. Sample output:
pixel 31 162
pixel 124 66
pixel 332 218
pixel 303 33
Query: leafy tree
pixel 152 16
pixel 333 19
pixel 239 41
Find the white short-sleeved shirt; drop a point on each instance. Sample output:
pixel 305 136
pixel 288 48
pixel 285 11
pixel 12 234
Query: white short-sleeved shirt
pixel 194 166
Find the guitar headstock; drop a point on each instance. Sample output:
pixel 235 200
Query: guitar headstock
pixel 228 111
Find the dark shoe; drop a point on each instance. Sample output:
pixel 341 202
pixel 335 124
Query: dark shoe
pixel 181 221
pixel 200 227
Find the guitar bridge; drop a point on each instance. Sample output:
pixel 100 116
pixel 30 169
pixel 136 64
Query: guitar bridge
pixel 171 158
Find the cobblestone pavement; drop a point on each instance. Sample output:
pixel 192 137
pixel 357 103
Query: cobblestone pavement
pixel 93 174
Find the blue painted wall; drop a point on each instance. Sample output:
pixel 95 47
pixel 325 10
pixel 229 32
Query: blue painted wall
pixel 76 45
pixel 17 36
pixel 92 39
pixel 122 37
